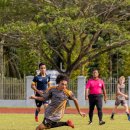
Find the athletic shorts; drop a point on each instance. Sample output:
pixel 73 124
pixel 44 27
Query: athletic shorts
pixel 49 123
pixel 39 103
pixel 122 102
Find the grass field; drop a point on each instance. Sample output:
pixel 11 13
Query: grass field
pixel 26 122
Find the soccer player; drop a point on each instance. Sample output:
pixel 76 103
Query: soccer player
pixel 54 112
pixel 40 84
pixel 121 97
pixel 94 88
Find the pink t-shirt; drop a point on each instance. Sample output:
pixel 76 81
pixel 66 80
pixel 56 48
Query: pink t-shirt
pixel 95 86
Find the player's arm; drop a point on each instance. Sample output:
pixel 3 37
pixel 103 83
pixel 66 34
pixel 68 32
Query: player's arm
pixel 33 86
pixel 87 90
pixel 36 98
pixel 78 108
pixel 72 97
pixel 45 96
pixel 120 93
pixel 104 92
pixel 86 93
pixel 49 84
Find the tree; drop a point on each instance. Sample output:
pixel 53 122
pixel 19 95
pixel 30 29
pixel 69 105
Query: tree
pixel 79 31
pixel 124 61
pixel 15 22
pixel 70 31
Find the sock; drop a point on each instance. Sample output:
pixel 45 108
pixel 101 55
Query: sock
pixel 36 113
pixel 127 114
pixel 112 115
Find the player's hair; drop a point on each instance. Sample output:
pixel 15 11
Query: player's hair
pixel 95 69
pixel 61 77
pixel 120 78
pixel 41 65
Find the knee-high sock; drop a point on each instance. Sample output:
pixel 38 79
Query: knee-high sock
pixel 127 114
pixel 36 113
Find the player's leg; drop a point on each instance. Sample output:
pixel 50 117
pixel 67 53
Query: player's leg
pixel 91 107
pixel 117 103
pixel 99 108
pixel 113 112
pixel 51 124
pixel 59 124
pixel 124 103
pixel 38 104
pixel 41 127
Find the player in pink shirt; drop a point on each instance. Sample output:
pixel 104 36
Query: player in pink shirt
pixel 94 89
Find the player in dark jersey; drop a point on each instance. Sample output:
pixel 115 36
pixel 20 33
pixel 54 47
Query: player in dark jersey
pixel 54 112
pixel 40 84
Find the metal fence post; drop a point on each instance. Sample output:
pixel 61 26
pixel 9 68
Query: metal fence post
pixel 129 90
pixel 1 71
pixel 81 91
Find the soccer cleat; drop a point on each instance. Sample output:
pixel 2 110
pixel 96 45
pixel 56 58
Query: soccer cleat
pixel 90 123
pixel 36 118
pixel 70 123
pixel 101 122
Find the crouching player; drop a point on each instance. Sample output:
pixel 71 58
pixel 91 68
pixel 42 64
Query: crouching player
pixel 54 112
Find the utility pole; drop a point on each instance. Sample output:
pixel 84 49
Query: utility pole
pixel 117 65
pixel 1 70
pixel 110 65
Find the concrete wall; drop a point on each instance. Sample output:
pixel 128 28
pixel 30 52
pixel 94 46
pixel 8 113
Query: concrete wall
pixel 80 96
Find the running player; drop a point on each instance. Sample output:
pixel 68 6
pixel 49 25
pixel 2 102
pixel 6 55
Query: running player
pixel 54 112
pixel 121 97
pixel 40 83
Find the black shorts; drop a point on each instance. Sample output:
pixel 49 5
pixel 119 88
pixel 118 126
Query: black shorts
pixel 39 103
pixel 48 123
pixel 95 99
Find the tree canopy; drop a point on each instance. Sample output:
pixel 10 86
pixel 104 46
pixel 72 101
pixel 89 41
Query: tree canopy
pixel 71 32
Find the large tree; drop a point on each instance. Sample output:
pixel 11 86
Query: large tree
pixel 15 23
pixel 79 31
pixel 72 32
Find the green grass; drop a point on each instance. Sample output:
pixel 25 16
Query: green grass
pixel 26 122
